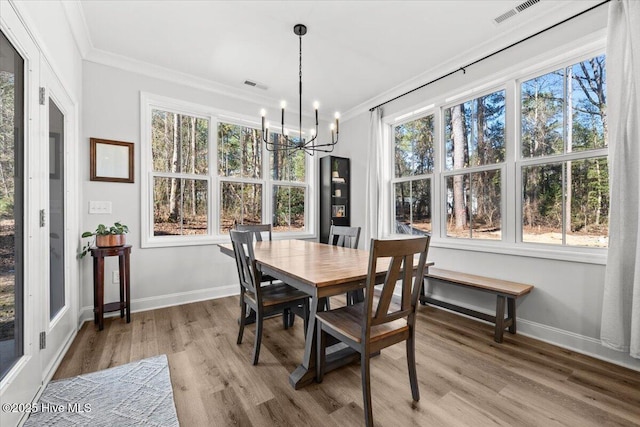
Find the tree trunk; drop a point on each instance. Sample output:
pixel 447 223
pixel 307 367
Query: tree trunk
pixel 193 166
pixel 568 145
pixel 457 126
pixel 174 204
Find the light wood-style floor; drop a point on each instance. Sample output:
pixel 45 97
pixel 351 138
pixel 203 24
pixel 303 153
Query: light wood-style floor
pixel 465 377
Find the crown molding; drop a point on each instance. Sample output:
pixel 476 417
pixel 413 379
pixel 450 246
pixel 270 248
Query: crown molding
pixel 78 24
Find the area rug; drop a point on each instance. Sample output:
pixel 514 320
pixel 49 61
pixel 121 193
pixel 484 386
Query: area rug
pixel 135 394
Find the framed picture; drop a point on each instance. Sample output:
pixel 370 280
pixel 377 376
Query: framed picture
pixel 338 211
pixel 111 161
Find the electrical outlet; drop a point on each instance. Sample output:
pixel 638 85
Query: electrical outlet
pixel 99 207
pixel 115 276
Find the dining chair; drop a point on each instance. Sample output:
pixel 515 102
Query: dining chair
pixel 346 237
pixel 288 318
pixel 264 300
pixel 370 326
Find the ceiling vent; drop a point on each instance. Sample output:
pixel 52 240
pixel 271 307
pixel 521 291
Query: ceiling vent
pixel 255 84
pixel 516 10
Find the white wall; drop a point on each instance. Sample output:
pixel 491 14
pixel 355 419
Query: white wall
pixel 566 304
pixel 159 276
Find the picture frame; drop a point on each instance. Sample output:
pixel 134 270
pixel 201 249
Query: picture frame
pixel 111 161
pixel 338 211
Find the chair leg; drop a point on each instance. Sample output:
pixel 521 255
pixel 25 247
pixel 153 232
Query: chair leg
pixel 305 313
pixel 366 388
pixel 286 314
pixel 292 318
pixel 243 317
pixel 320 351
pixel 411 363
pixel 256 346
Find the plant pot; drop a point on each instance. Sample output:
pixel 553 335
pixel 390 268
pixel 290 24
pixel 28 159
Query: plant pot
pixel 111 240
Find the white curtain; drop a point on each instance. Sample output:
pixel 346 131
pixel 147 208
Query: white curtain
pixel 377 207
pixel 620 328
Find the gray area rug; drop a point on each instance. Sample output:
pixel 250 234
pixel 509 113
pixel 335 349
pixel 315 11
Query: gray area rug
pixel 135 394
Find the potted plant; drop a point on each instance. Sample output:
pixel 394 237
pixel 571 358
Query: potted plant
pixel 106 236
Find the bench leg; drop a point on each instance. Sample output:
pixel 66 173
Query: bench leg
pixel 511 314
pixel 499 319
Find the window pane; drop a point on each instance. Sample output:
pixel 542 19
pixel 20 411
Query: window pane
pixel 179 143
pixel 239 152
pixel 403 207
pixel 485 205
pixel 414 147
pixel 421 206
pixel 286 165
pixel 474 132
pixel 179 206
pixel 589 201
pixel 542 204
pixel 241 203
pixel 587 104
pixel 473 205
pixel 288 208
pixel 542 116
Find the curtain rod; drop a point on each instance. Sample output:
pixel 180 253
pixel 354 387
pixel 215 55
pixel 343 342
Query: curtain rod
pixel 464 67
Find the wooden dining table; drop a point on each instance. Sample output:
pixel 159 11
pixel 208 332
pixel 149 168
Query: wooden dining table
pixel 321 271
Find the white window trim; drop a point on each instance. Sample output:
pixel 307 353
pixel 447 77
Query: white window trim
pixel 150 101
pixel 511 203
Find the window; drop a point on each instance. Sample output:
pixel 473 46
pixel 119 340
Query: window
pixel 475 143
pixel 565 182
pixel 206 173
pixel 523 163
pixel 413 167
pixel 180 153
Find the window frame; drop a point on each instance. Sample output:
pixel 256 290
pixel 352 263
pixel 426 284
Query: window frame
pixel 149 102
pixel 508 79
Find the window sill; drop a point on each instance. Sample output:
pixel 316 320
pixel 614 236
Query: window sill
pixel 179 241
pixel 530 250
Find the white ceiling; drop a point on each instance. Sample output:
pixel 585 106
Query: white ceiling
pixel 355 54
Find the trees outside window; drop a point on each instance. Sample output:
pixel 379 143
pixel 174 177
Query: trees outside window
pixel 474 142
pixel 413 167
pixel 565 178
pixel 203 176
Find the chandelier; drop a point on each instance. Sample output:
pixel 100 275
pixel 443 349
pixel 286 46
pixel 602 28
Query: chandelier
pixel 289 144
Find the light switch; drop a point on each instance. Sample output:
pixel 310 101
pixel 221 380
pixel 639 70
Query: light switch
pixel 99 207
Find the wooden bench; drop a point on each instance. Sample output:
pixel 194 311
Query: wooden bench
pixel 505 291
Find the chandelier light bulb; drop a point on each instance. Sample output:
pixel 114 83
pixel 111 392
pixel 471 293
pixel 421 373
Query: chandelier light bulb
pixel 263 112
pixel 332 127
pixel 337 115
pixel 283 104
pixel 316 105
pixel 312 132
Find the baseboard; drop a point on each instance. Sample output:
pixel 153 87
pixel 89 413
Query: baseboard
pixel 575 342
pixel 559 337
pixel 161 301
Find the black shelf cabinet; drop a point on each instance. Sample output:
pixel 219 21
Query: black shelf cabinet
pixel 335 194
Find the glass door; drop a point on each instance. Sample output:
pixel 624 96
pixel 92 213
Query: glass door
pixel 61 310
pixel 21 238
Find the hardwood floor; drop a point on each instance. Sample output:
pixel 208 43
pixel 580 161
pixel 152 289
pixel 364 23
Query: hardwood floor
pixel 465 378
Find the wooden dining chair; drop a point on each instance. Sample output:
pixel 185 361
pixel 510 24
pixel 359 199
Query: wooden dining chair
pixel 369 327
pixel 288 318
pixel 263 299
pixel 346 237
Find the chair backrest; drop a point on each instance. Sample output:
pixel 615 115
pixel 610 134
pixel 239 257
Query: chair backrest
pixel 242 242
pixel 346 237
pixel 401 254
pixel 256 230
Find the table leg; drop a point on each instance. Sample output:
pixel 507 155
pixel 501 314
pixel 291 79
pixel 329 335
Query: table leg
pixel 99 277
pixel 511 314
pixel 499 319
pixel 95 291
pixel 127 278
pixel 305 372
pixel 123 302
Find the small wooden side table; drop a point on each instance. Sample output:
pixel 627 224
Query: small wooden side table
pixel 99 307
